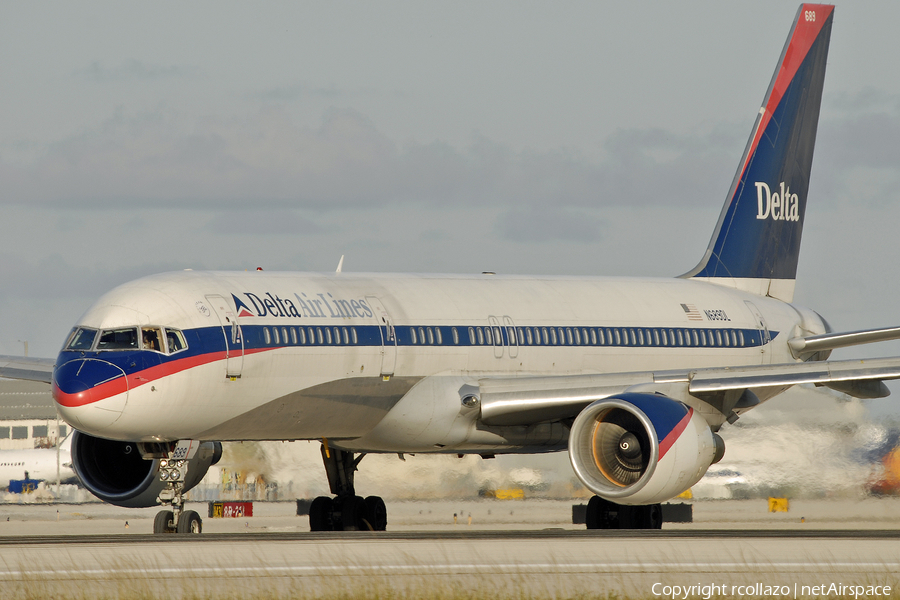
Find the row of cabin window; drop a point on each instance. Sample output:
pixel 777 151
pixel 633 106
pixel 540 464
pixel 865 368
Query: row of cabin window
pixel 295 336
pixel 430 335
pixel 584 336
pixel 616 336
pixel 525 336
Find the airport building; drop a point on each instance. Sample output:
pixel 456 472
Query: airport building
pixel 28 416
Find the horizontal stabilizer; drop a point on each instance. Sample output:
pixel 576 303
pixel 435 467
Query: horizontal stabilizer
pixel 830 341
pixel 29 369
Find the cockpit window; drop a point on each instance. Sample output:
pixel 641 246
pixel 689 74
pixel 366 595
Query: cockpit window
pixel 176 340
pixel 82 338
pixel 118 339
pixel 151 339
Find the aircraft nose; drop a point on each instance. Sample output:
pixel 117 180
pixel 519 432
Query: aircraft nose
pixel 90 393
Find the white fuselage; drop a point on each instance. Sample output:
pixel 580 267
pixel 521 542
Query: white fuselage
pixel 39 464
pixel 304 356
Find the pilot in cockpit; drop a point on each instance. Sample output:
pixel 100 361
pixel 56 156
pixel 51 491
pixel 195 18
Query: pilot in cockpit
pixel 151 339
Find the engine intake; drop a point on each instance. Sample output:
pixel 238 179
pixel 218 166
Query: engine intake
pixel 115 472
pixel 638 448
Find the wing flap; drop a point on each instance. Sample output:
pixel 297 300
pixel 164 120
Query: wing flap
pixel 529 400
pixel 820 373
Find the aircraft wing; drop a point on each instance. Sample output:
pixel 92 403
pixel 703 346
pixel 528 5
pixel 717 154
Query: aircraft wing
pixel 834 374
pixel 23 367
pixel 529 400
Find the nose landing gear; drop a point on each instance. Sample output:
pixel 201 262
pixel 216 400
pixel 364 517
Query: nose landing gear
pixel 177 520
pixel 172 473
pixel 346 511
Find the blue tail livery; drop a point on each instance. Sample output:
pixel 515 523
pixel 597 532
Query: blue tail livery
pixel 756 243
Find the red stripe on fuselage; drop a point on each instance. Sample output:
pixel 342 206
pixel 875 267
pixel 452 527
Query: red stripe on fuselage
pixel 670 439
pixel 139 378
pixel 94 394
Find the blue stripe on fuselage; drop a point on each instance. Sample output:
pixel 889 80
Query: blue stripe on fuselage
pixel 207 340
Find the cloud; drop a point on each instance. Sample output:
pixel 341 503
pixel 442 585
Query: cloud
pixel 167 159
pixel 868 99
pixel 262 221
pixel 297 91
pixel 55 277
pixel 548 224
pixel 134 69
pixel 869 140
pixel 857 150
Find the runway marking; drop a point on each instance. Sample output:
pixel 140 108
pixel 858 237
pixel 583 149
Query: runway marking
pixel 544 534
pixel 453 569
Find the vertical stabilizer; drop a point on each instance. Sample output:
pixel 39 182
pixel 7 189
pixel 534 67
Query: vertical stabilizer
pixel 756 243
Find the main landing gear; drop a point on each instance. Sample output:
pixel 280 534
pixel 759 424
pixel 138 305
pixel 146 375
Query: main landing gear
pixel 346 511
pixel 603 514
pixel 172 473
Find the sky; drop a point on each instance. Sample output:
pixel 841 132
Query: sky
pixel 584 138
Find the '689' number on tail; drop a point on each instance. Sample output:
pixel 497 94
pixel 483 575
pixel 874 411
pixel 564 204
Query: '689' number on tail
pixel 810 16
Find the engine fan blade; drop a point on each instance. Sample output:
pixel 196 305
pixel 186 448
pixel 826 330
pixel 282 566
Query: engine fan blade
pixel 617 448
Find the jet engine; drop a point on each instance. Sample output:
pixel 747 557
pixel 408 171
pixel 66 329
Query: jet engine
pixel 641 448
pixel 116 473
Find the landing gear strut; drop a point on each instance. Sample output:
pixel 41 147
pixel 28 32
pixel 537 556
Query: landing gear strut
pixel 603 514
pixel 177 520
pixel 346 511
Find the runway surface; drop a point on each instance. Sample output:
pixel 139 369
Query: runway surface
pixel 274 554
pixel 559 563
pixel 508 535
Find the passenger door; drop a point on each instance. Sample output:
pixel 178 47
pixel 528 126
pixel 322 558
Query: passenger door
pixel 388 336
pixel 763 328
pixel 231 331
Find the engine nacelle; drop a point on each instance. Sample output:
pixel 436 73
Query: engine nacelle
pixel 116 473
pixel 637 448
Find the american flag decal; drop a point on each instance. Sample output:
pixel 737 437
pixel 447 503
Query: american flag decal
pixel 692 313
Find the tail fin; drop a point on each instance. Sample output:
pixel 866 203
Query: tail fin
pixel 756 243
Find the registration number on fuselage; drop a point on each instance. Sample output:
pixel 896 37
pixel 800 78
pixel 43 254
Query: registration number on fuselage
pixel 716 315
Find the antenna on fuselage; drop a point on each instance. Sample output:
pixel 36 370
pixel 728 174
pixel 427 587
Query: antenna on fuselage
pixel 340 264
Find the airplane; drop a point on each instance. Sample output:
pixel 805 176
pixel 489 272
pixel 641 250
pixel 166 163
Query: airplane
pixel 634 377
pixel 38 464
